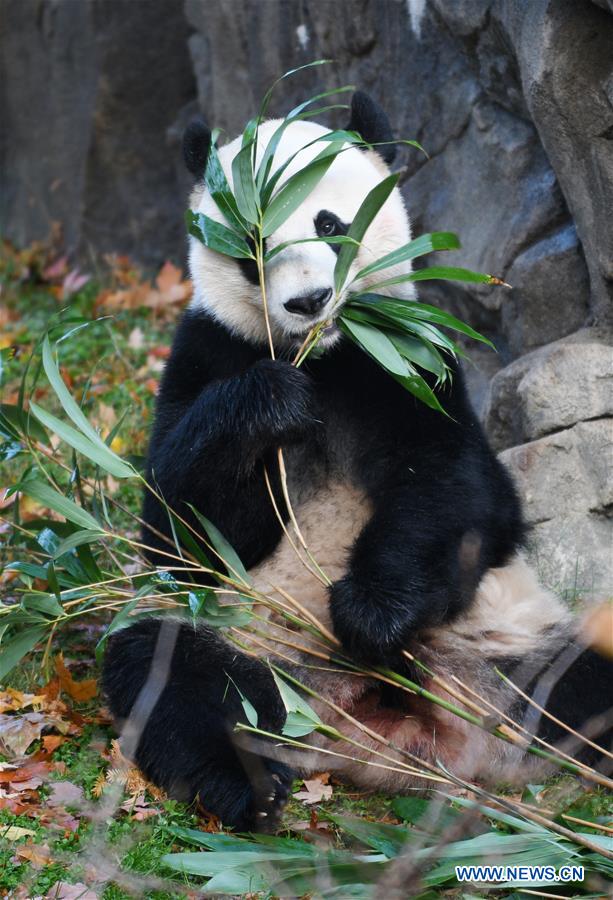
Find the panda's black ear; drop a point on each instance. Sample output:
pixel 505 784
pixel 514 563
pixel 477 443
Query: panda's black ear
pixel 196 146
pixel 372 124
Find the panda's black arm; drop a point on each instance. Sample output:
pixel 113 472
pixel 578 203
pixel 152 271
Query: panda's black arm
pixel 442 516
pixel 209 446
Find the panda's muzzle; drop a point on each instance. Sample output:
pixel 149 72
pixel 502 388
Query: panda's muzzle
pixel 308 304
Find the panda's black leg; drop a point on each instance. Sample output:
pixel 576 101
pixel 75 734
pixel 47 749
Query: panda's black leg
pixel 174 691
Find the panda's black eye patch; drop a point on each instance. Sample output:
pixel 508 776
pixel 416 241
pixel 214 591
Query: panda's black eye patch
pixel 249 267
pixel 329 225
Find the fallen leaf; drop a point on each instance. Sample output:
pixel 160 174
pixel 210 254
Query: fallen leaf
pixel 38 854
pixel 139 808
pixel 78 690
pixel 15 832
pixel 136 338
pixel 12 700
pixel 315 789
pixel 170 285
pixel 64 793
pixel 61 890
pixel 18 732
pixel 52 741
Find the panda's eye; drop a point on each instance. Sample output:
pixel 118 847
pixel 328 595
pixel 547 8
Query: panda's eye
pixel 329 225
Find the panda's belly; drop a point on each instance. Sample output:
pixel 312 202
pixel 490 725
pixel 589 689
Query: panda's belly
pixel 329 521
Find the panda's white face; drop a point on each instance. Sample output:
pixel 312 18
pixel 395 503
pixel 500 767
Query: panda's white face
pixel 300 279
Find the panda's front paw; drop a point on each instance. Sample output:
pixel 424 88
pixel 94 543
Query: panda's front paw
pixel 271 789
pixel 282 400
pixel 367 624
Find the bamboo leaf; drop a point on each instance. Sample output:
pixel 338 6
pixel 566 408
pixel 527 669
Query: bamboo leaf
pixel 85 536
pixel 245 192
pixel 98 452
pixel 69 404
pixel 217 236
pixel 337 239
pixel 420 246
pixel 420 352
pixel 46 495
pixel 296 189
pixel 369 208
pixel 15 422
pixel 294 115
pixel 223 548
pixel 14 649
pixel 377 344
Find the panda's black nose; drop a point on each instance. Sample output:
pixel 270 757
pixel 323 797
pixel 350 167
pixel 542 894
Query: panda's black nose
pixel 309 304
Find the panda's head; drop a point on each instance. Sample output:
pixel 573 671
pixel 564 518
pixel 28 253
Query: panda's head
pixel 300 279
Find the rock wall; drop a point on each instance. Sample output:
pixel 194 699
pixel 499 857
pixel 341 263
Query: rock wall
pixel 513 100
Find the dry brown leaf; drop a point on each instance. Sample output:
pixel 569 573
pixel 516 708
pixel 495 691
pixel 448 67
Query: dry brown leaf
pixel 52 741
pixel 12 700
pixel 315 789
pixel 78 690
pixel 38 854
pixel 170 284
pixel 15 832
pixel 18 732
pixel 139 808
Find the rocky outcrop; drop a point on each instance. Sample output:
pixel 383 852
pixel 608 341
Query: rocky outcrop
pixel 513 101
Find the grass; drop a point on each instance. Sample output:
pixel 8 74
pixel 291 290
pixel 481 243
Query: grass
pixel 113 368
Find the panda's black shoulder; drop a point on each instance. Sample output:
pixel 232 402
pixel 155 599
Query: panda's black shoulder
pixel 203 350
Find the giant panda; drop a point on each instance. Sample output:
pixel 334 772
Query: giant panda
pixel 408 511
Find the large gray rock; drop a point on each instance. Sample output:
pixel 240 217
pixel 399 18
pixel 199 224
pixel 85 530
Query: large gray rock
pixel 547 278
pixel 566 482
pixel 565 382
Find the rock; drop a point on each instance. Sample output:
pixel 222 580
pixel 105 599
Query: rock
pixel 566 483
pixel 550 290
pixel 563 50
pixel 88 91
pixel 568 381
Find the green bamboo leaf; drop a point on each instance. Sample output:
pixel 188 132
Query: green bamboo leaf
pixel 14 649
pixel 369 208
pixel 338 239
pixel 69 404
pixel 217 236
pixel 296 189
pixel 425 243
pixel 377 344
pixel 288 74
pixel 417 385
pixel 217 184
pixel 403 310
pixel 245 192
pixel 300 719
pixel 46 604
pixel 46 495
pixel 86 536
pixel 452 273
pixel 346 138
pixel 98 453
pixel 420 352
pixel 223 548
pixel 294 115
pixel 15 422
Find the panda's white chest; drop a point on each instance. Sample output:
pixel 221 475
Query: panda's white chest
pixel 329 519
